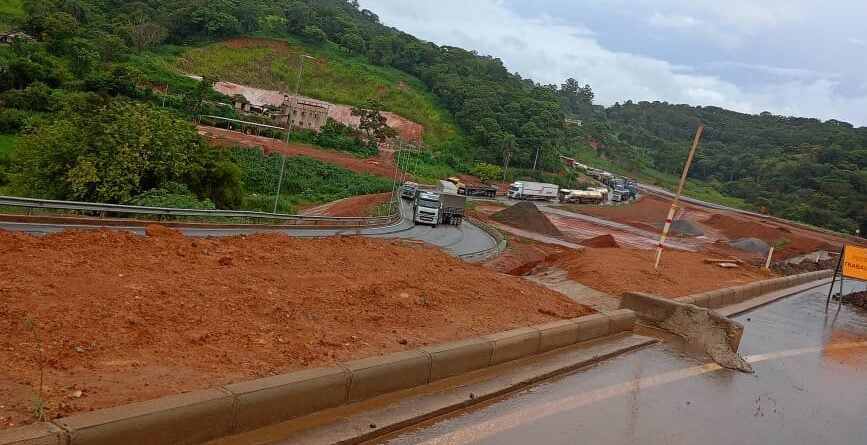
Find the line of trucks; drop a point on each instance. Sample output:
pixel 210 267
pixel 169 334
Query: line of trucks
pixel 446 203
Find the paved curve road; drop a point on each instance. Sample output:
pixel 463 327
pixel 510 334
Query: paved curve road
pixel 460 241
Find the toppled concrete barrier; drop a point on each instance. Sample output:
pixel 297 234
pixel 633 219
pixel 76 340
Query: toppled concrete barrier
pixel 719 336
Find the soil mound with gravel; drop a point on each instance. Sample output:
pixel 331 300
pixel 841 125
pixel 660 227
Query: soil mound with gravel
pixel 526 216
pixel 685 227
pixel 604 241
pixel 754 245
pixel 857 299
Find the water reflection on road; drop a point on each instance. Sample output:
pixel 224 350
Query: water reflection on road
pixel 809 386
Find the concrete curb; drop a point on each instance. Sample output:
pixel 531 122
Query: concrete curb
pixel 200 416
pixel 738 294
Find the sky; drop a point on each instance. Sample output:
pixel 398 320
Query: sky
pixel 789 57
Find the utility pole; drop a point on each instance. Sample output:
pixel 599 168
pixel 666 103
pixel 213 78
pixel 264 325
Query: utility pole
pixel 671 211
pixel 289 126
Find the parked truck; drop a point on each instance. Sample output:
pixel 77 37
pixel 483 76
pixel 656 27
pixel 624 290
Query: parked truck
pixel 533 190
pixel 581 196
pixel 409 190
pixel 473 190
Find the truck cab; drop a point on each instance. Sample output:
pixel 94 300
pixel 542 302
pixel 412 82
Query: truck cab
pixel 426 209
pixel 408 190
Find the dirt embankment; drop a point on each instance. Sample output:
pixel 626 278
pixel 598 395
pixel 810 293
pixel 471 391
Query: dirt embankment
pixel 381 165
pixel 615 271
pixel 121 318
pixel 349 207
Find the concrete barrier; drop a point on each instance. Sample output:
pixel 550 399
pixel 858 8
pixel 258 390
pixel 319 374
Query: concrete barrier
pixel 270 400
pixel 514 344
pixel 458 357
pixel 378 375
pixel 557 334
pixel 737 294
pixel 190 418
pixel 36 434
pixel 201 416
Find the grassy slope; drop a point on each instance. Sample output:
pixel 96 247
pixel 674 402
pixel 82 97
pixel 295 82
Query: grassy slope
pixel 8 144
pixel 334 76
pixel 10 9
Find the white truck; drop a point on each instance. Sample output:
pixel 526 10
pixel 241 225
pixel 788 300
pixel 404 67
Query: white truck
pixel 533 190
pixel 426 208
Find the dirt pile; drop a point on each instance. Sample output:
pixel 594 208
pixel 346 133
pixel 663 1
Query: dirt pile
pixel 785 268
pixel 602 241
pixel 856 299
pixel 753 245
pixel 526 216
pixel 615 271
pixel 123 318
pixel 685 227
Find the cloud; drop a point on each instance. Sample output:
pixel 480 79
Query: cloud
pixel 783 72
pixel 552 50
pixel 681 22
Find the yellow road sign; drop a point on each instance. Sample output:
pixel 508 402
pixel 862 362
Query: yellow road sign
pixel 855 263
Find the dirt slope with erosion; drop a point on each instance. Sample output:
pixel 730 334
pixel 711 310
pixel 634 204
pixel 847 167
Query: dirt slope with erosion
pixel 122 318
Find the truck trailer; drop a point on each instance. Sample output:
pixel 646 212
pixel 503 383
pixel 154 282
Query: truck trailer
pixel 452 209
pixel 533 190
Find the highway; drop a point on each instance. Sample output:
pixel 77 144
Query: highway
pixel 467 241
pixel 809 387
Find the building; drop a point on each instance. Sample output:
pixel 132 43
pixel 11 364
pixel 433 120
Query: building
pixel 10 37
pixel 307 114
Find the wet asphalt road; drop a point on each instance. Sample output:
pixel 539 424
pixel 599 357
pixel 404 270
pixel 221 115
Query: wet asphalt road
pixel 465 240
pixel 809 387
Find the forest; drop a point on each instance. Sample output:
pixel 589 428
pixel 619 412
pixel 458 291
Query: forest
pixel 89 54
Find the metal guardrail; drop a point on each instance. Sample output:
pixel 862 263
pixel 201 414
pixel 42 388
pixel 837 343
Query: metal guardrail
pixel 498 237
pixel 103 209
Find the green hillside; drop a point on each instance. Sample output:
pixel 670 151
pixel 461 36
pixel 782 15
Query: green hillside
pixel 10 10
pixel 334 76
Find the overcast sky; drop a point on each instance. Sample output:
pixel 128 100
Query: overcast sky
pixel 789 57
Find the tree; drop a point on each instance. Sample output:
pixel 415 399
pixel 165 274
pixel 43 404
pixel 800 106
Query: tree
pixel 116 153
pixel 353 43
pixel 145 34
pixel 373 123
pixel 313 34
pixel 486 172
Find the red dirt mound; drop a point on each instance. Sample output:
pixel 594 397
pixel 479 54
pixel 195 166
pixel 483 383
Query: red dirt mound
pixel 121 318
pixel 526 216
pixel 680 273
pixel 606 241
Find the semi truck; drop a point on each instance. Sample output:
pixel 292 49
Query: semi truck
pixel 473 190
pixel 426 208
pixel 581 196
pixel 408 190
pixel 533 190
pixel 439 208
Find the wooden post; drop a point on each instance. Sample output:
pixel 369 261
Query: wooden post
pixel 770 254
pixel 671 211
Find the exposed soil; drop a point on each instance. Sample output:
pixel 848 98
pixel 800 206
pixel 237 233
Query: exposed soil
pixel 856 299
pixel 123 318
pixel 600 241
pixel 785 268
pixel 622 270
pixel 354 206
pixel 405 128
pixel 381 165
pixel 526 216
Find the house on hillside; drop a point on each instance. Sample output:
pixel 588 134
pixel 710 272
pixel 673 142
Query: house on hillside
pixel 307 114
pixel 8 38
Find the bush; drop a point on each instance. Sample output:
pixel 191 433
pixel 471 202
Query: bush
pixel 165 198
pixel 11 121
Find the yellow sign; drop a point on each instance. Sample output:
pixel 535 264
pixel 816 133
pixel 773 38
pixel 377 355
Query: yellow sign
pixel 855 263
